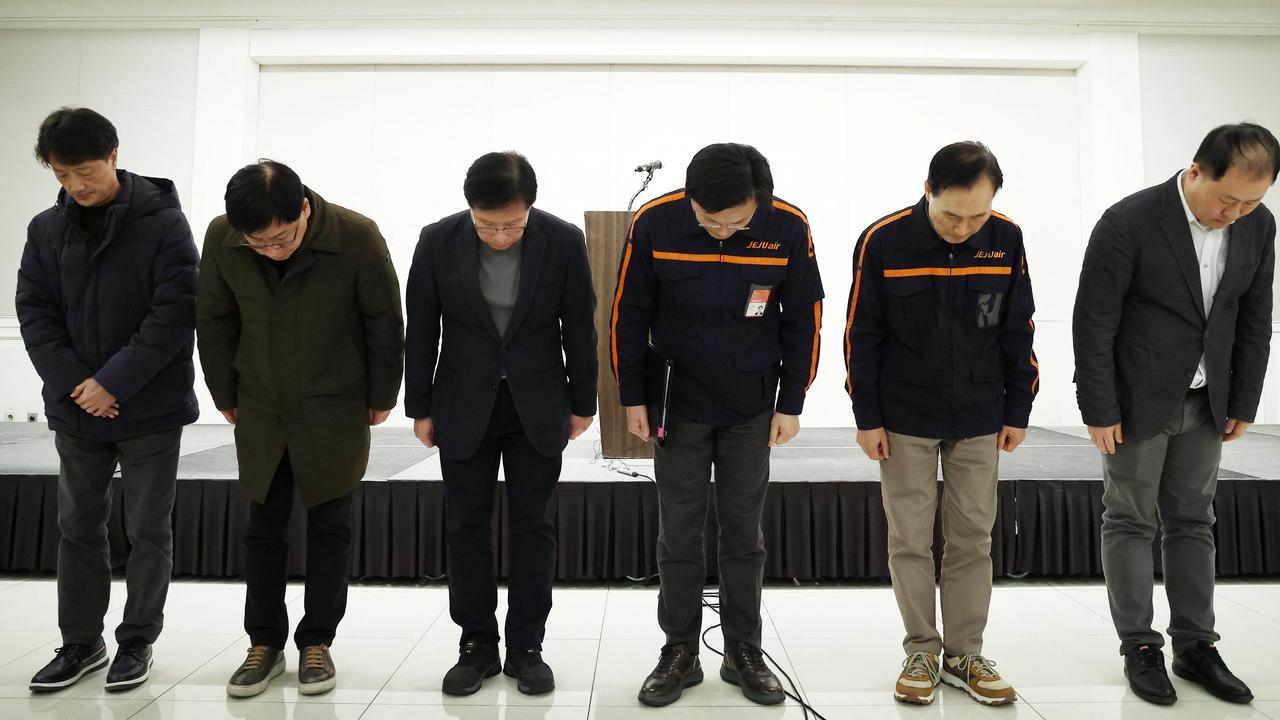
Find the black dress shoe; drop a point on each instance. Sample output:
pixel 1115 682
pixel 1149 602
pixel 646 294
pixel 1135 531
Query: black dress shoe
pixel 131 667
pixel 70 663
pixel 1202 664
pixel 677 669
pixel 476 661
pixel 1144 666
pixel 745 667
pixel 533 676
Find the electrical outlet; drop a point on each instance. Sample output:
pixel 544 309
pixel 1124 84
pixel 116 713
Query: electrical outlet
pixel 33 417
pixel 10 416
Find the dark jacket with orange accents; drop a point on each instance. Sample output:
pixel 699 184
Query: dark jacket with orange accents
pixel 738 318
pixel 938 336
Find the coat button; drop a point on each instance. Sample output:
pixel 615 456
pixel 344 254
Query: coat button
pixel 493 387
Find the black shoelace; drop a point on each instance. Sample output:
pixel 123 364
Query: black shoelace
pixel 1150 659
pixel 1211 654
pixel 135 649
pixel 752 659
pixel 670 656
pixel 73 652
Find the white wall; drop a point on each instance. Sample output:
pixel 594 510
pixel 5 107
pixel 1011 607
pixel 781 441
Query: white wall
pixel 1077 119
pixel 399 144
pixel 144 81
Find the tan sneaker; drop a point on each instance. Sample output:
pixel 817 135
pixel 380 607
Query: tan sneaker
pixel 316 673
pixel 918 679
pixel 977 676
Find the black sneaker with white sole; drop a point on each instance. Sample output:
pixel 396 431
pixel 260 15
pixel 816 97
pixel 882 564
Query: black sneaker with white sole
pixel 70 663
pixel 131 667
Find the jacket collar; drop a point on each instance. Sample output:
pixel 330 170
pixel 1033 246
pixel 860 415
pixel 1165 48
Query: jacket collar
pixel 926 238
pixel 322 233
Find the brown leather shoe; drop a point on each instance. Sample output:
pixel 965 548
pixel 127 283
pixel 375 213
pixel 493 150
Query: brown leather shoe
pixel 677 669
pixel 316 673
pixel 255 673
pixel 745 667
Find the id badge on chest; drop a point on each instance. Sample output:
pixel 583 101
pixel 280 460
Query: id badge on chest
pixel 758 300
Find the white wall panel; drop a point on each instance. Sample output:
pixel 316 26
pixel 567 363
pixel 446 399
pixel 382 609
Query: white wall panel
pixel 846 145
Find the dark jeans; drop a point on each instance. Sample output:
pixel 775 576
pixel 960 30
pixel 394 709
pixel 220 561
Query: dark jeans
pixel 740 455
pixel 1165 482
pixel 266 545
pixel 149 471
pixel 469 487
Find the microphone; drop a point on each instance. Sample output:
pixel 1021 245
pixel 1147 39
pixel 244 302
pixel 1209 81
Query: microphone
pixel 649 167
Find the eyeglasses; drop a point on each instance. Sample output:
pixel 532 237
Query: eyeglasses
pixel 722 228
pixel 262 247
pixel 510 230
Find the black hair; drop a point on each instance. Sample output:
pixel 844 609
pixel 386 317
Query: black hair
pixel 1250 145
pixel 497 179
pixel 726 175
pixel 71 136
pixel 263 193
pixel 962 164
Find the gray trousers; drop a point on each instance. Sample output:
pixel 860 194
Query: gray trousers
pixel 740 455
pixel 1166 482
pixel 149 470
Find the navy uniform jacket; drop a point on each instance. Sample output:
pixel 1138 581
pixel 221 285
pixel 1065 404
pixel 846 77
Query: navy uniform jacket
pixel 694 293
pixel 938 337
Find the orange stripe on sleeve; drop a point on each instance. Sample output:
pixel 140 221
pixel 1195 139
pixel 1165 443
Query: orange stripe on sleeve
pixel 796 211
pixel 1004 218
pixel 622 275
pixel 817 342
pixel 857 287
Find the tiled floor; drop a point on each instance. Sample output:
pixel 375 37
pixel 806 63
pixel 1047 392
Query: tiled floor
pixel 841 644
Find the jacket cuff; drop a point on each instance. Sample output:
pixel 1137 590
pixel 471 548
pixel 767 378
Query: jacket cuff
pixel 790 401
pixel 866 415
pixel 418 409
pixel 631 390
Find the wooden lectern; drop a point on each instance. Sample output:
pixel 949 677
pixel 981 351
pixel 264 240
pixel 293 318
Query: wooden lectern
pixel 606 237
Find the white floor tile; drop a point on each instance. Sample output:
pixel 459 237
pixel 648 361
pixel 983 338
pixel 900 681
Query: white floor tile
pixel 623 665
pixel 1263 599
pixel 417 682
pixel 845 613
pixel 364 665
pixel 33 605
pixel 471 712
pixel 1146 711
pixel 1270 708
pixel 403 612
pixel 1232 616
pixel 1042 610
pixel 16 643
pixel 61 708
pixel 229 708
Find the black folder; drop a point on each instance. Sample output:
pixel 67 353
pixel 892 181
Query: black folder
pixel 657 392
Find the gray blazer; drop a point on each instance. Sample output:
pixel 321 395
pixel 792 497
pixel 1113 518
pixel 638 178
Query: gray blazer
pixel 1140 325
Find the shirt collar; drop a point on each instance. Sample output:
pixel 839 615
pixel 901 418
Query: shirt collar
pixel 1191 217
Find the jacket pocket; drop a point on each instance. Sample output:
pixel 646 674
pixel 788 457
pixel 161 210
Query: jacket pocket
pixel 985 301
pixel 678 281
pixel 909 303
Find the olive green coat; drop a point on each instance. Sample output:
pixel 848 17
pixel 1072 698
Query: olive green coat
pixel 302 358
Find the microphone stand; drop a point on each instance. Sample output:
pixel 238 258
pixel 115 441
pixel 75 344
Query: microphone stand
pixel 647 179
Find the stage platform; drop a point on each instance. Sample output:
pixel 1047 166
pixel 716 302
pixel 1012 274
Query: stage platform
pixel 823 519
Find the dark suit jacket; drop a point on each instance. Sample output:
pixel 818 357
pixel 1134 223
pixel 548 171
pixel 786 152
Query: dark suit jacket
pixel 1140 325
pixel 549 349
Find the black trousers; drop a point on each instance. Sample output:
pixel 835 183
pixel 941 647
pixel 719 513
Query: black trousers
pixel 266 547
pixel 682 467
pixel 469 487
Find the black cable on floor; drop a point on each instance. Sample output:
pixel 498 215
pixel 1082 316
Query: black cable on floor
pixel 805 707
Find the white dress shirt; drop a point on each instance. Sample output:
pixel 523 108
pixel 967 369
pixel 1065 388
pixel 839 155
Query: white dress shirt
pixel 1211 255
